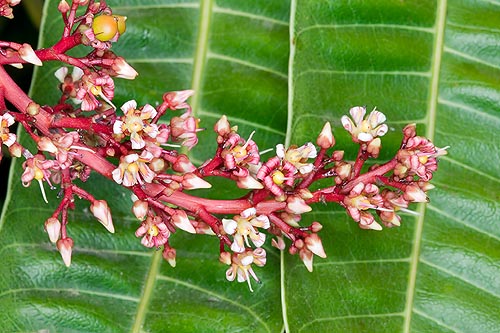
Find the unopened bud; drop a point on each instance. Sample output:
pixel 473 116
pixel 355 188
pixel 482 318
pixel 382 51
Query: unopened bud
pixel 249 182
pixel 63 7
pixel 313 243
pixel 140 209
pixel 65 247
pixel 225 258
pixel 16 149
pixel 374 147
pixel 27 54
pixel 33 109
pixel 123 69
pixel 415 194
pixel 278 243
pixel 316 227
pixel 190 182
pixel 53 228
pixel 296 205
pixel 181 221
pixel 222 126
pixel 169 255
pixel 183 164
pixel 102 212
pixel 157 165
pixel 325 139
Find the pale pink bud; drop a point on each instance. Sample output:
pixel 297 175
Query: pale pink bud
pixel 181 221
pixel 415 194
pixel 249 182
pixel 191 181
pixel 157 165
pixel 53 228
pixel 225 258
pixel 278 243
pixel 63 6
pixel 338 155
pixel 45 144
pixel 169 255
pixel 410 130
pixel 296 205
pixel 123 69
pixel 426 186
pixel 316 227
pixel 183 164
pixel 313 243
pixel 305 194
pixel 140 209
pixel 222 126
pixel 27 54
pixel 65 246
pixel 325 139
pixel 307 258
pixel 101 211
pixel 374 147
pixel 33 109
pixel 16 149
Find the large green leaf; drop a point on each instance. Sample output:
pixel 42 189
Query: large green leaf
pixel 433 63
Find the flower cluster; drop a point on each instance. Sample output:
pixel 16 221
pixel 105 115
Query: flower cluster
pixel 143 148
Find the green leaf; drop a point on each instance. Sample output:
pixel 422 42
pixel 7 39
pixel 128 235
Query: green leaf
pixel 434 63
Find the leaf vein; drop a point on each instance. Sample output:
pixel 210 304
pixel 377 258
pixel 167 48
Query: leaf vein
pixel 461 278
pixel 246 64
pixel 211 293
pixel 228 11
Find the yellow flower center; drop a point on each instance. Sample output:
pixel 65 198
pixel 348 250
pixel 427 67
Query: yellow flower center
pixel 133 168
pixel 135 124
pixel 278 177
pixel 153 231
pixel 38 174
pixel 239 152
pixel 96 90
pixel 423 159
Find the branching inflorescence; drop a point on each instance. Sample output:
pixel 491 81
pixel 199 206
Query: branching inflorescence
pixel 84 132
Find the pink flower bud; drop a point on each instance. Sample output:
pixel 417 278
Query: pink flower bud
pixel 183 164
pixel 181 221
pixel 65 246
pixel 413 193
pixel 169 255
pixel 296 205
pixel 222 126
pixel 63 7
pixel 27 54
pixel 123 69
pixel 225 258
pixel 140 209
pixel 249 182
pixel 374 147
pixel 190 182
pixel 278 243
pixel 313 243
pixel 45 144
pixel 307 258
pixel 16 149
pixel 53 228
pixel 101 211
pixel 325 139
pixel 316 227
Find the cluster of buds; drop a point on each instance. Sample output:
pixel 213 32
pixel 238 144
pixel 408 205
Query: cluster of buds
pixel 86 132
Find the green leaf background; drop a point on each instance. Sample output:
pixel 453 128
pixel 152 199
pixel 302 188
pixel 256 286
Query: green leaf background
pixel 284 68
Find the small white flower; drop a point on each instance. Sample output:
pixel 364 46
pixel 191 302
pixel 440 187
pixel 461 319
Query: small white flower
pixel 364 130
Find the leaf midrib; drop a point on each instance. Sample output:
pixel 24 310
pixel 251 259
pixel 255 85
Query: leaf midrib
pixel 431 124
